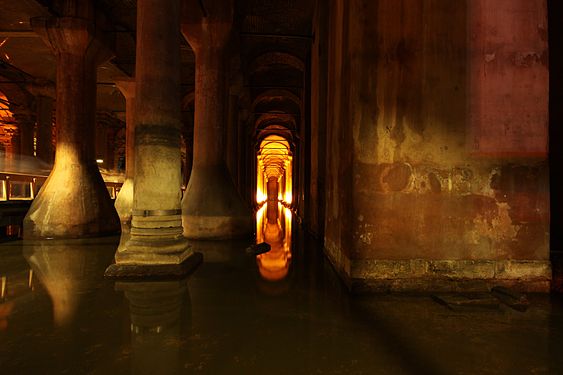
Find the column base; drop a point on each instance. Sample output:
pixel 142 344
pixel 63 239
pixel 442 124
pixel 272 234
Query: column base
pixel 155 271
pixel 212 209
pixel 217 227
pixel 138 257
pixel 73 203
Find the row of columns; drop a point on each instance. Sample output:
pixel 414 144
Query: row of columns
pixel 33 126
pixel 150 204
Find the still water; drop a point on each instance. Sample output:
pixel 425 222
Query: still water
pixel 283 312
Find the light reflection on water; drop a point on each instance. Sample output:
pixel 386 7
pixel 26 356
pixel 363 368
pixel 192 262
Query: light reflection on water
pixel 273 226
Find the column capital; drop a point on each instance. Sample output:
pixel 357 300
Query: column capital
pixel 72 36
pixel 42 87
pixel 207 25
pixel 127 86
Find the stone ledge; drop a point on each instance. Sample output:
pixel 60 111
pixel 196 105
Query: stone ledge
pixel 154 272
pixel 439 275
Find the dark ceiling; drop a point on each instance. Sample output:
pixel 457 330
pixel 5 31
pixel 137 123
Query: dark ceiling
pixel 263 26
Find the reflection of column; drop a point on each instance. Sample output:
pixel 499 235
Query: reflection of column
pixel 44 147
pixel 158 311
pixel 212 207
pixel 74 201
pixel 274 265
pixel 69 271
pixel 156 225
pixel 124 201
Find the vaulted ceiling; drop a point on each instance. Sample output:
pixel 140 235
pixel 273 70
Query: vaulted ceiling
pixel 273 46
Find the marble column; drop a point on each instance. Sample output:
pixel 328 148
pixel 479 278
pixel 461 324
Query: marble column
pixel 74 201
pixel 212 207
pixel 124 201
pixel 156 226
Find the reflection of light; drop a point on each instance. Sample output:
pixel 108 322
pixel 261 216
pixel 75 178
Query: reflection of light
pixel 261 197
pixel 260 216
pixel 287 198
pixel 274 265
pixel 3 292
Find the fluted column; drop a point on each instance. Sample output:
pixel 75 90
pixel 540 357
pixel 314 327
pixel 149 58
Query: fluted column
pixel 212 208
pixel 74 201
pixel 124 201
pixel 156 224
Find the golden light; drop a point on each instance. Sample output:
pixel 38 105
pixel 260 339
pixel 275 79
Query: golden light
pixel 274 265
pixel 274 167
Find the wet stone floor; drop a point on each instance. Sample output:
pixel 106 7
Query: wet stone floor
pixel 284 312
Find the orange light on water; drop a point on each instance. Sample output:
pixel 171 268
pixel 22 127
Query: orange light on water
pixel 274 265
pixel 274 163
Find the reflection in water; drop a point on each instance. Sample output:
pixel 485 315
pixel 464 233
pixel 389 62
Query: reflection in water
pixel 69 270
pixel 159 310
pixel 15 287
pixel 273 226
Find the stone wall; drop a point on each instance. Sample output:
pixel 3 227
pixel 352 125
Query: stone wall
pixel 437 174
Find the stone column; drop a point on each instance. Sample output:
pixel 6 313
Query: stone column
pixel 124 201
pixel 156 224
pixel 212 208
pixel 26 125
pixel 44 108
pixel 74 201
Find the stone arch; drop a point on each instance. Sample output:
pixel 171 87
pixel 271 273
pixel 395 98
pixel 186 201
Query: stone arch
pixel 279 96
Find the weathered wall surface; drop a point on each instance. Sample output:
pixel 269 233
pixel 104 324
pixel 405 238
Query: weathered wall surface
pixel 437 171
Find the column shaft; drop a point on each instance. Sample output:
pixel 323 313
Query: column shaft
pixel 212 207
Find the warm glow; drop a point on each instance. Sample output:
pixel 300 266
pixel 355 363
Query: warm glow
pixel 274 228
pixel 3 288
pixel 274 164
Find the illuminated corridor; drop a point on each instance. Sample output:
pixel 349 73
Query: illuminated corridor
pixel 275 170
pixel 281 187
